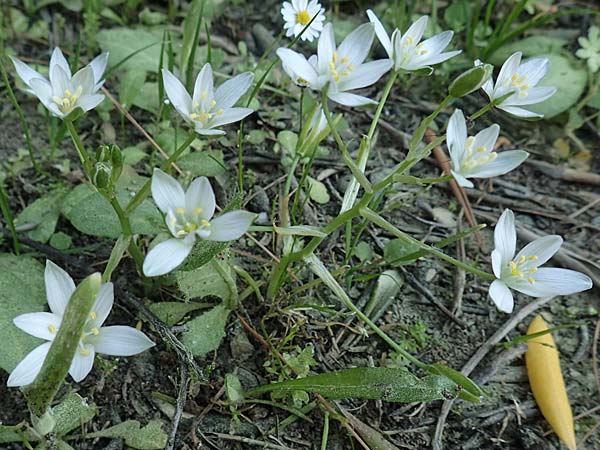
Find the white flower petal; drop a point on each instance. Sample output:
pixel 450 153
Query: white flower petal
pixel 436 44
pixel 42 90
pixel 501 296
pixel 166 256
pixel 348 99
pixel 43 325
pixel 505 236
pixel 519 112
pixel 415 31
pixel 59 288
pixel 89 102
pixel 98 65
pixel 497 263
pixel 60 81
pixel 103 304
pixel 58 59
pixel 82 364
pixel 534 70
pixel 121 341
pixel 232 90
pixel 200 194
pixel 543 249
pixel 325 50
pixel 461 179
pixel 298 65
pixel 357 44
pixel 365 74
pixel 166 191
pixel 230 115
pixel 206 131
pixel 29 367
pixel 550 281
pixel 84 78
pixel 487 138
pixel 230 225
pixel 534 95
pixel 177 94
pixel 25 72
pixel 504 163
pixel 508 69
pixel 203 88
pixel 382 35
pixel 456 137
pixel 439 58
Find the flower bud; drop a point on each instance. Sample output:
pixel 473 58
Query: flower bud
pixel 103 153
pixel 471 80
pixel 102 176
pixel 116 158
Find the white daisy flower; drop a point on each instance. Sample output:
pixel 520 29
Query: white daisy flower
pixel 299 13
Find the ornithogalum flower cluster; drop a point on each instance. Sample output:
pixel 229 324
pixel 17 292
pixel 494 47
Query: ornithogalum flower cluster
pixel 62 93
pixel 474 156
pixel 518 83
pixel 112 340
pixel 207 108
pixel 410 53
pixel 523 272
pixel 189 215
pixel 341 69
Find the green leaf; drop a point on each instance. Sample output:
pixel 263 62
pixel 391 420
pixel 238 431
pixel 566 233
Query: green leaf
pixel 318 191
pixel 44 213
pixel 374 383
pixel 531 46
pixel 21 291
pixel 173 312
pixel 387 287
pixel 396 250
pixel 92 214
pixel 288 140
pixel 208 163
pixel 206 331
pixel 216 278
pixel 61 241
pixel 9 433
pixel 72 412
pixel 472 389
pixel 121 43
pixel 569 79
pixel 147 98
pixel 233 388
pixel 130 86
pixel 151 437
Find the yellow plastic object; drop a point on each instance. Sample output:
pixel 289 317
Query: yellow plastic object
pixel 547 384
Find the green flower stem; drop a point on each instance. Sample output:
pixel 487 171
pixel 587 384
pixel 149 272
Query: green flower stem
pixel 8 217
pixel 317 266
pixel 425 123
pixel 42 391
pixel 482 111
pixel 381 222
pixel 386 92
pixel 143 193
pixel 122 215
pixel 83 156
pixel 356 171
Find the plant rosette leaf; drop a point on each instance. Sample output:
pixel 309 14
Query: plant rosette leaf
pixel 206 332
pixel 150 437
pixel 372 383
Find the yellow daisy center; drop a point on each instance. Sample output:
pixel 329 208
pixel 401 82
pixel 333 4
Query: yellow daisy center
pixel 303 17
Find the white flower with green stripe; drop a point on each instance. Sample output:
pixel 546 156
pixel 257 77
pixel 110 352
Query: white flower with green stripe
pixel 207 108
pixel 95 338
pixel 523 272
pixel 189 215
pixel 474 156
pixel 62 93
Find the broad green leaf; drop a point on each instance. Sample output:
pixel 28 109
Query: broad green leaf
pixel 44 213
pixel 92 214
pixel 123 42
pixel 150 437
pixel 130 86
pixel 206 331
pixel 374 383
pixel 216 278
pixel 9 434
pixel 233 388
pixel 207 163
pixel 21 291
pixel 318 191
pixel 473 391
pixel 537 45
pixel 147 98
pixel 363 251
pixel 72 412
pixel 288 140
pixel 61 241
pixel 569 79
pixel 173 312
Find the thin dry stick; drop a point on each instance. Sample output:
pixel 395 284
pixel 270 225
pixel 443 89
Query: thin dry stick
pixel 184 381
pixel 139 127
pixel 245 440
pixel 480 354
pixel 595 355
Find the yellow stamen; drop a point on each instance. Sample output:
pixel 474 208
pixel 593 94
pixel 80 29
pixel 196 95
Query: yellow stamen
pixel 481 149
pixel 335 57
pixel 531 280
pixel 197 211
pixel 303 17
pixel 533 270
pixel 195 104
pixel 220 111
pixel 95 331
pixel 532 258
pixel 84 351
pixel 423 52
pixel 213 103
pixel 51 328
pixel 205 223
pixel 522 259
pixel 344 60
pixel 93 315
pixel 204 95
pixel 180 211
